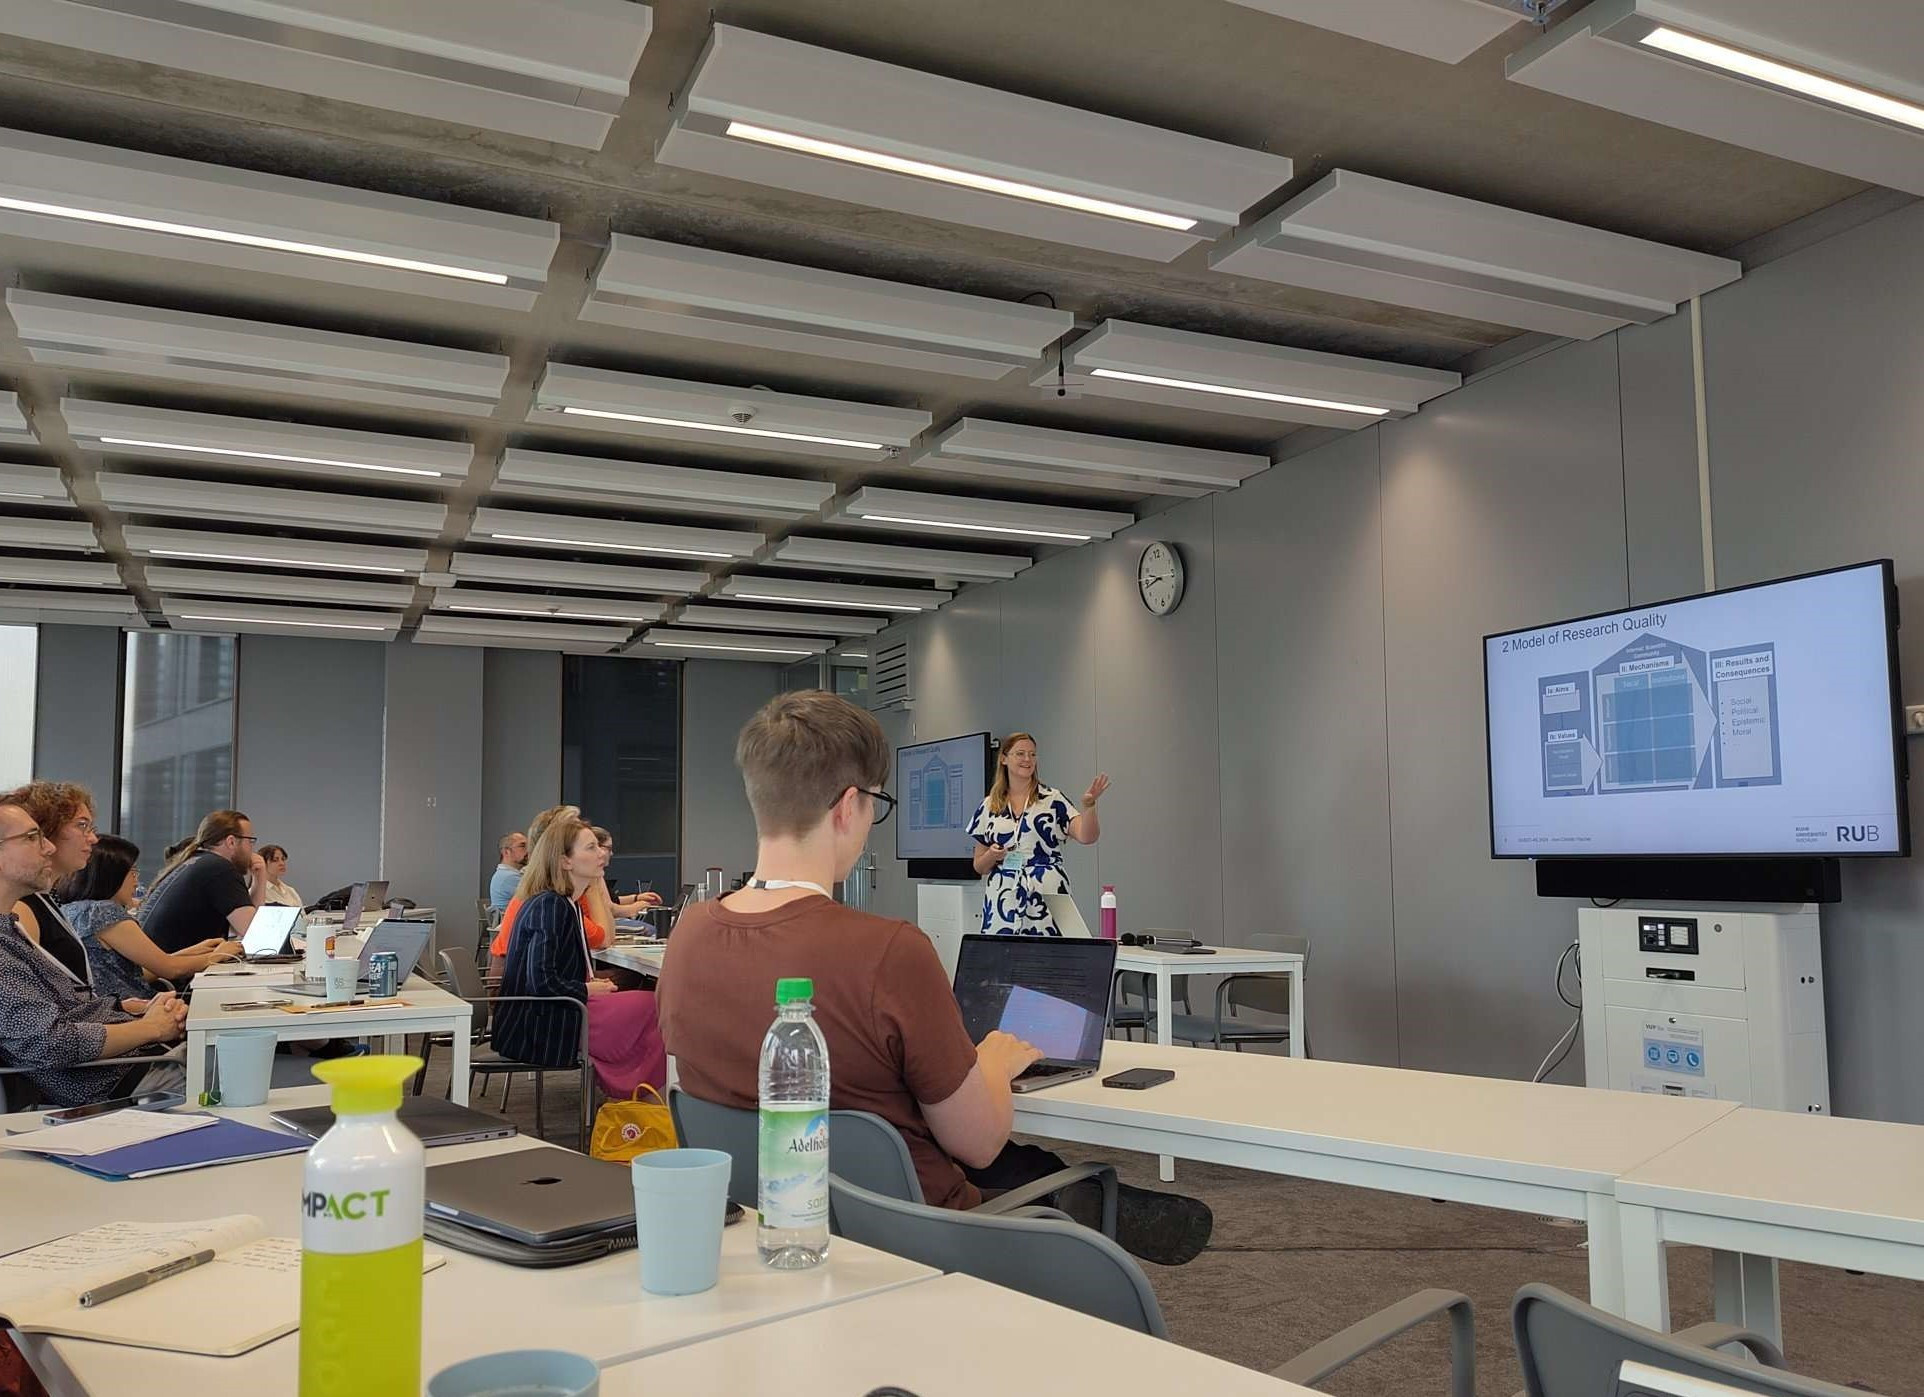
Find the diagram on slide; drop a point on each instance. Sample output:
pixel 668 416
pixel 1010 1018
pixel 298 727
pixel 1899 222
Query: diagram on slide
pixel 1662 716
pixel 935 794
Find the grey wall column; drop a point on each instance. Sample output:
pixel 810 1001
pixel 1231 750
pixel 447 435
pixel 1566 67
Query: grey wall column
pixel 431 833
pixel 77 712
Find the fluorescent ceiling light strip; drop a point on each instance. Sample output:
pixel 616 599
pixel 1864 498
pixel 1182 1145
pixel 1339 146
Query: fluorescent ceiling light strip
pixel 552 615
pixel 622 547
pixel 261 456
pixel 25 495
pixel 271 562
pixel 721 427
pixel 1765 70
pixel 1228 392
pixel 736 649
pixel 974 528
pixel 968 179
pixel 222 235
pixel 311 625
pixel 824 601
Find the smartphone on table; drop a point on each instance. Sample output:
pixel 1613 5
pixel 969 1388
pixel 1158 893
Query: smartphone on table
pixel 146 1101
pixel 1139 1078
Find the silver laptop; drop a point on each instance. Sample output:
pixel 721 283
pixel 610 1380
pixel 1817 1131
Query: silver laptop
pixel 1045 990
pixel 268 935
pixel 407 939
pixel 434 1119
pixel 537 1197
pixel 1068 917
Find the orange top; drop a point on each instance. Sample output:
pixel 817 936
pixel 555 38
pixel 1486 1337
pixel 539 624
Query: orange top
pixel 597 937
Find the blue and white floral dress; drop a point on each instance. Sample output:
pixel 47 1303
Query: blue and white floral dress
pixel 1012 903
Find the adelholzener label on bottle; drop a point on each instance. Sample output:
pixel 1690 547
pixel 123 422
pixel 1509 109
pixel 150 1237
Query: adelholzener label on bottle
pixel 794 1165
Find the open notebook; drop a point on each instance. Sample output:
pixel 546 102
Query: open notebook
pixel 249 1294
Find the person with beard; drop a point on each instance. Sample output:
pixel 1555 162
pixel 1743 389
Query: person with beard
pixel 212 887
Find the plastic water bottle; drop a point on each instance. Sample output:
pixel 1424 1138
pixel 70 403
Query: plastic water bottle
pixel 1108 912
pixel 792 1231
pixel 361 1208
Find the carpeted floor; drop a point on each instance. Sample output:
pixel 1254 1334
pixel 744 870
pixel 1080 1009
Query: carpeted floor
pixel 1293 1261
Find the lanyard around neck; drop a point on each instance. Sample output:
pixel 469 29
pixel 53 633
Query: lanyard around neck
pixel 775 885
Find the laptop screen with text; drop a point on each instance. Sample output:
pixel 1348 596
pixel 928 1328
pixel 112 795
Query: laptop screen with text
pixel 1045 990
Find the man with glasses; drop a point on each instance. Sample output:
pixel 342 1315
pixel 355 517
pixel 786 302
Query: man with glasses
pixel 49 1022
pixel 211 887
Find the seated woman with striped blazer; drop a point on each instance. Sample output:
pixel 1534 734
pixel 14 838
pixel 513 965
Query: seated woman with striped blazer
pixel 548 955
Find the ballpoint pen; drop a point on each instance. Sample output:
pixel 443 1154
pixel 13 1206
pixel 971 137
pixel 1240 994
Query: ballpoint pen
pixel 140 1280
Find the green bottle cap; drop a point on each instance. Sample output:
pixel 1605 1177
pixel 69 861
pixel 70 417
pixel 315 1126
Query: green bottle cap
pixel 787 991
pixel 366 1086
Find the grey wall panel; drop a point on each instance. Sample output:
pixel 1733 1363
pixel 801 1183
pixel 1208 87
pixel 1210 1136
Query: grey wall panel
pixel 894 892
pixel 520 744
pixel 1155 721
pixel 77 713
pixel 717 698
pixel 1502 506
pixel 307 756
pixel 1816 434
pixel 1658 413
pixel 431 832
pixel 956 657
pixel 1304 770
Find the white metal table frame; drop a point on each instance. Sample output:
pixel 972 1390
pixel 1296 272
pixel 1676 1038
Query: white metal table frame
pixel 434 1011
pixel 1167 966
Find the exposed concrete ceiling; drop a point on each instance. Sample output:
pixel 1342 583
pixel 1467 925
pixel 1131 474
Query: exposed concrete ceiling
pixel 1202 66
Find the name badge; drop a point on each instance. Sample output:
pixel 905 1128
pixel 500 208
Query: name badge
pixel 1013 859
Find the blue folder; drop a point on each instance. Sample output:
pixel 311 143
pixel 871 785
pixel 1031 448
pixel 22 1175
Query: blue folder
pixel 224 1142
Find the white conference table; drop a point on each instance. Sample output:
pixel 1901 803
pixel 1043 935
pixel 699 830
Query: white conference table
pixel 642 957
pixel 1529 1148
pixel 1758 1186
pixel 426 1008
pixel 470 1306
pixel 952 1337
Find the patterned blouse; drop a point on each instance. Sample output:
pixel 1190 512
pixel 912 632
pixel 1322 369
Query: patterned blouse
pixel 1012 903
pixel 113 974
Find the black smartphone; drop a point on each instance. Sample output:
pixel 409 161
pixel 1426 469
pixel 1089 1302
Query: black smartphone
pixel 146 1101
pixel 1139 1078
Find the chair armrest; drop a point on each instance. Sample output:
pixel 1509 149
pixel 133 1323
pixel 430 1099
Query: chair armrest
pixel 1715 1336
pixel 1005 1204
pixel 1037 1211
pixel 1367 1335
pixel 579 1004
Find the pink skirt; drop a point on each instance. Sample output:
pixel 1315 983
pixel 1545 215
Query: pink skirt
pixel 624 1042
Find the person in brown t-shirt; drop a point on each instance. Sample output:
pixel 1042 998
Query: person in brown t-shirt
pixel 814 765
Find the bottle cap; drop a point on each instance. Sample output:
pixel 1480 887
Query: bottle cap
pixel 1108 887
pixel 366 1086
pixel 787 991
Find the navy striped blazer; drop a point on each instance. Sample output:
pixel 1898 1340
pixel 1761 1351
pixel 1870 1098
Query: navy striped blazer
pixel 547 955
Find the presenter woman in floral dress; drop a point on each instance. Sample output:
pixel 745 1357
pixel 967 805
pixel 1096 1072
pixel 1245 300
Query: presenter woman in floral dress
pixel 1019 831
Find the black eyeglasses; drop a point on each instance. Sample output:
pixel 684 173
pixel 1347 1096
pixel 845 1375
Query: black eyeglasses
pixel 887 806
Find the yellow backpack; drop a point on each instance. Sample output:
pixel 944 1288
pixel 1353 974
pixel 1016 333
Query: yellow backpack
pixel 624 1129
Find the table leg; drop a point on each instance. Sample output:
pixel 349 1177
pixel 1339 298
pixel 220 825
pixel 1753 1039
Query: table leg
pixel 394 1043
pixel 1165 1035
pixel 458 1070
pixel 196 1064
pixel 1298 1025
pixel 1606 1253
pixel 1646 1279
pixel 1745 1289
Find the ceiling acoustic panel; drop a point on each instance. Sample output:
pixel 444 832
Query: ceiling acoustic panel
pixel 13 422
pixel 980 449
pixel 1446 30
pixel 896 560
pixel 544 606
pixel 521 635
pixel 561 77
pixel 58 572
pixel 681 488
pixel 141 205
pixel 1836 86
pixel 52 535
pixel 594 577
pixel 768 618
pixel 24 606
pixel 774 112
pixel 266 550
pixel 88 337
pixel 227 617
pixel 162 434
pixel 675 642
pixel 39 484
pixel 261 504
pixel 723 297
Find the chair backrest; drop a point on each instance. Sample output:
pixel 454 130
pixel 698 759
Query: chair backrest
pixel 1569 1349
pixel 702 1125
pixel 463 980
pixel 861 1146
pixel 1268 993
pixel 1061 1262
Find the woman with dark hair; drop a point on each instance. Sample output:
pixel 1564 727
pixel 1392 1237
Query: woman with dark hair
pixel 99 900
pixel 280 893
pixel 65 814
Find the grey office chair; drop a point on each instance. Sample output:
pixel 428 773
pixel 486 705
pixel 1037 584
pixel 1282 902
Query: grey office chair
pixel 464 982
pixel 1570 1349
pixel 865 1149
pixel 1077 1268
pixel 1266 993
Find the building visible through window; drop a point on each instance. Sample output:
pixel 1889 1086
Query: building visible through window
pixel 177 751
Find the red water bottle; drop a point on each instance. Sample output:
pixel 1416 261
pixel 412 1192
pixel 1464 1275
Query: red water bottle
pixel 1108 912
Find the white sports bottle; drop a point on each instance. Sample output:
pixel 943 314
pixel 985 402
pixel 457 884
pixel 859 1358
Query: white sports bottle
pixel 792 1233
pixel 361 1200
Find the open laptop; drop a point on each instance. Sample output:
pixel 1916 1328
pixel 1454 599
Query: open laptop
pixel 1049 991
pixel 406 939
pixel 434 1119
pixel 1068 917
pixel 269 935
pixel 535 1197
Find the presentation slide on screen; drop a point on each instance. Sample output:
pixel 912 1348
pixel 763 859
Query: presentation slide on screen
pixel 1753 722
pixel 939 785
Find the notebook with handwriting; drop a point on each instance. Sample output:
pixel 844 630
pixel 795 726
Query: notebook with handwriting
pixel 248 1295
